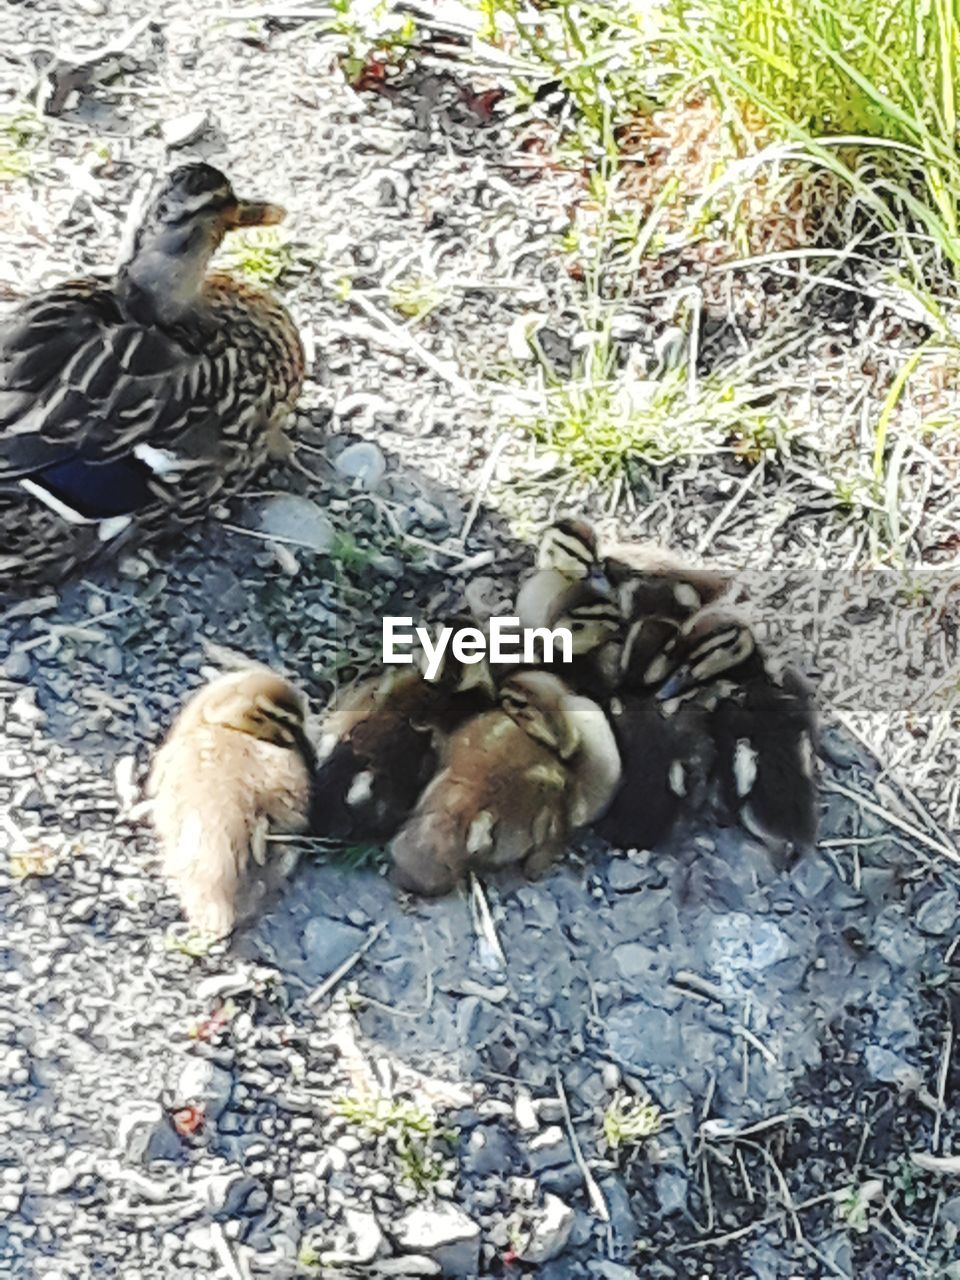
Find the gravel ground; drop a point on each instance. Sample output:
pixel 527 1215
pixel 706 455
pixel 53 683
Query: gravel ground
pixel 169 1115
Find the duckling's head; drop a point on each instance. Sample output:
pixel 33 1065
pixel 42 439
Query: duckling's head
pixel 711 643
pixel 591 619
pixel 570 547
pixel 539 703
pixel 191 211
pixel 261 704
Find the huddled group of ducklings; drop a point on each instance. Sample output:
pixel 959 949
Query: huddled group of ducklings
pixel 667 709
pixel 129 407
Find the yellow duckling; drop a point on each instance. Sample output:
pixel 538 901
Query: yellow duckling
pixel 235 765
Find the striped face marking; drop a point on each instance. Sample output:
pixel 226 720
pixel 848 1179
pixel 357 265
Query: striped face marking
pixel 569 546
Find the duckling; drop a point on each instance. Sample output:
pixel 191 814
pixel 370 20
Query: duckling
pixel 235 765
pixel 514 783
pixel 568 590
pixel 652 580
pixel 378 745
pixel 643 579
pixel 762 720
pixel 666 749
pixel 127 408
pixel 566 563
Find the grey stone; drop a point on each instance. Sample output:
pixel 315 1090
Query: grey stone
pixel 938 915
pixel 290 517
pixel 488 1150
pixel 363 463
pixel 550 1231
pixel 327 943
pixel 17 666
pixel 549 1149
pixel 625 875
pixel 203 1081
pixel 606 1270
pixel 356 1242
pixel 670 1186
pixel 445 1234
pixel 146 1134
pixel 639 965
pixel 180 131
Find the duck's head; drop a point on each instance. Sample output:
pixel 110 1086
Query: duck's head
pixel 261 704
pixel 190 212
pixel 569 546
pixel 591 618
pixel 540 704
pixel 712 643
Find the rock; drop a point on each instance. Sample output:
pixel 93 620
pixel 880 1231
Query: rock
pixel 489 1150
pixel 327 943
pixel 549 1149
pixel 884 1064
pixel 411 1265
pixel 446 1235
pixel 625 875
pixel 812 875
pixel 671 1189
pixel 611 1271
pixel 180 131
pixel 363 464
pixel 146 1134
pixel 17 666
pixel 357 1241
pixel 639 965
pixel 526 1116
pixel 562 1180
pixel 293 518
pixel 939 913
pixel 550 1232
pixel 204 1082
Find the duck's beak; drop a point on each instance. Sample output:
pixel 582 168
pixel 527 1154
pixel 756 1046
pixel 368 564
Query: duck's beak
pixel 679 682
pixel 598 581
pixel 255 213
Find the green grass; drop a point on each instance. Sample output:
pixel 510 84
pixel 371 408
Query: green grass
pixel 417 296
pixel 261 255
pixel 411 1131
pixel 881 75
pixel 604 419
pixel 19 132
pixel 630 1121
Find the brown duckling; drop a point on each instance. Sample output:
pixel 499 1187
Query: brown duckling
pixel 235 765
pixel 378 745
pixel 513 784
pixel 762 720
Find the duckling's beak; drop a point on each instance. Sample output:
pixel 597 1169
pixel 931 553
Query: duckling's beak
pixel 255 213
pixel 598 581
pixel 679 682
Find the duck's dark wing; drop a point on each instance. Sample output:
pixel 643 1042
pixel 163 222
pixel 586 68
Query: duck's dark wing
pixel 82 384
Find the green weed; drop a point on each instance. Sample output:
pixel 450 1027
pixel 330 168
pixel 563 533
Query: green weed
pixel 261 255
pixel 630 1121
pixel 412 1133
pixel 19 132
pixel 417 296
